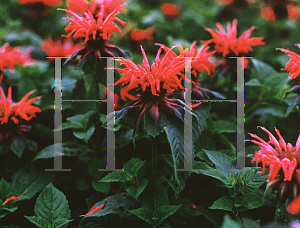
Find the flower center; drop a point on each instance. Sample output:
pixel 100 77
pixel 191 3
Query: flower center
pixel 290 154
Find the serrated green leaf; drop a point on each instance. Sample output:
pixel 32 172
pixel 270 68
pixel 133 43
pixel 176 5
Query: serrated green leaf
pixel 136 190
pixel 134 166
pixel 18 146
pixel 152 128
pixel 32 145
pixel 28 183
pixel 39 221
pixel 261 70
pixel 250 201
pixel 252 180
pixel 118 176
pixel 68 149
pixel 144 213
pixel 221 161
pixel 119 204
pixel 85 135
pixel 218 174
pixel 52 206
pixel 224 203
pixel 101 186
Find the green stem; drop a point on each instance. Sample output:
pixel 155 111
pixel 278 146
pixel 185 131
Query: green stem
pixel 97 103
pixel 154 157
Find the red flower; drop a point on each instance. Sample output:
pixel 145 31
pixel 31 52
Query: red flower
pixel 152 85
pixel 267 12
pixel 170 10
pixel 59 48
pixel 89 28
pixel 44 2
pixel 228 43
pixel 10 56
pixel 11 114
pixel 293 66
pixel 82 6
pixel 11 198
pixel 161 76
pixel 293 11
pixel 283 161
pixel 78 6
pixel 94 209
pixel 199 62
pixel 194 207
pixel 139 35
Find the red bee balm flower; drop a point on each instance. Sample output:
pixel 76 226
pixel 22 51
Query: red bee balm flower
pixel 152 85
pixel 283 161
pixel 170 10
pixel 293 66
pixel 90 28
pixel 10 199
pixel 94 209
pixel 58 48
pixel 12 114
pixel 44 2
pixel 139 35
pixel 227 43
pixel 10 56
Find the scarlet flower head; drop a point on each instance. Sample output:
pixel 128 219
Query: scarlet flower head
pixel 59 48
pixel 152 86
pixel 293 66
pixel 82 6
pixel 10 56
pixel 138 35
pixel 91 28
pixel 12 114
pixel 44 2
pixel 170 10
pixel 283 161
pixel 199 62
pixel 227 43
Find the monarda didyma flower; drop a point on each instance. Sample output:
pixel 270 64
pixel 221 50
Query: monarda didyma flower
pixel 283 161
pixel 10 56
pixel 12 115
pixel 199 62
pixel 152 85
pixel 96 29
pixel 293 66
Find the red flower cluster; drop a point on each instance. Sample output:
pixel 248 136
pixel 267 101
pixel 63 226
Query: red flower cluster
pixel 10 56
pixel 227 43
pixel 283 162
pixel 139 35
pixel 267 10
pixel 44 2
pixel 170 10
pixel 91 28
pixel 163 74
pixel 59 48
pixel 82 6
pixel 293 66
pixel 11 114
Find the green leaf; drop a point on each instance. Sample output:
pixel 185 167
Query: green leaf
pixel 5 190
pixel 218 174
pixel 224 203
pixel 134 190
pixel 69 149
pixel 135 167
pixel 296 102
pixel 118 176
pixel 250 201
pixel 225 127
pixel 155 218
pixel 151 127
pixel 117 204
pixel 83 184
pixel 85 136
pixel 28 183
pixel 18 146
pixel 32 145
pixel 81 120
pixel 261 70
pixel 101 186
pixel 221 161
pixel 10 226
pixel 90 225
pixel 52 206
pixel 252 180
pixel 253 82
pixel 39 221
